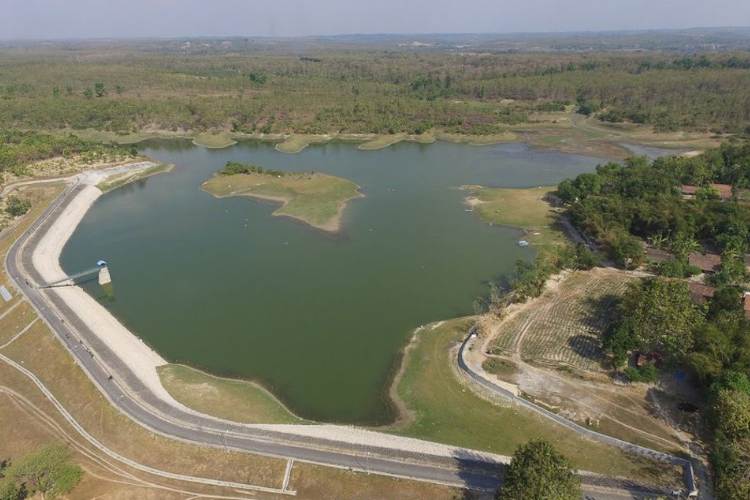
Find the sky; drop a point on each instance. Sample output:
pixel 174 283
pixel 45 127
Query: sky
pixel 55 19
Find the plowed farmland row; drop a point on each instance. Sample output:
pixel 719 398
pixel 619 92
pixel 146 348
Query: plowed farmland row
pixel 564 326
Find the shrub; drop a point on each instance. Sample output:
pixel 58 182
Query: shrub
pixel 234 168
pixel 649 373
pixel 632 374
pixel 15 206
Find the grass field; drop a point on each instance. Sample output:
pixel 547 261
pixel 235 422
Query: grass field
pixel 235 400
pixel 448 412
pixel 527 209
pixel 564 326
pixel 316 199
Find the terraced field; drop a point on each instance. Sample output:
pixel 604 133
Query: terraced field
pixel 564 325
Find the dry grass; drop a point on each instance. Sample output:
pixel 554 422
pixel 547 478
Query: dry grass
pixel 15 321
pixel 46 358
pixel 235 400
pixel 555 344
pixel 322 483
pixel 565 325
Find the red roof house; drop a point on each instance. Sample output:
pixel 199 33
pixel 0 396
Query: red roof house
pixel 708 263
pixel 700 292
pixel 725 190
pixel 658 255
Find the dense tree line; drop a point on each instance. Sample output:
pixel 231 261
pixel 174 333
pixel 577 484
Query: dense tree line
pixel 368 91
pixel 621 206
pixel 234 168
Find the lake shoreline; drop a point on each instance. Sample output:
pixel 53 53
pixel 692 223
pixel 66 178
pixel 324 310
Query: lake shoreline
pixel 539 136
pixel 240 229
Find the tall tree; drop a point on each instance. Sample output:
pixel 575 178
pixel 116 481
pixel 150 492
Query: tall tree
pixel 662 316
pixel 49 471
pixel 539 472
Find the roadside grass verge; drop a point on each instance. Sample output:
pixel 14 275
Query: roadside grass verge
pixel 40 195
pixel 235 400
pixel 116 181
pixel 317 482
pixel 313 198
pixel 15 321
pixel 449 412
pixel 528 209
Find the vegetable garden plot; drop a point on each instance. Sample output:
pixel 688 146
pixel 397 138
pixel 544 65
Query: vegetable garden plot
pixel 564 326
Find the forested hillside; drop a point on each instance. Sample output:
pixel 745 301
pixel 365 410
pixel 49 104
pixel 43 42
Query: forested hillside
pixel 123 88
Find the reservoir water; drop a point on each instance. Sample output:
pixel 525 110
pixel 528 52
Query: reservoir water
pixel 221 285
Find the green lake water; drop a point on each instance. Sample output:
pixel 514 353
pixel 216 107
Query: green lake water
pixel 318 319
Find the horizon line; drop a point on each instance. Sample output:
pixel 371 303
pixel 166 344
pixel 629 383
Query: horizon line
pixel 378 34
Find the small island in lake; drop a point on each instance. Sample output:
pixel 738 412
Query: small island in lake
pixel 313 198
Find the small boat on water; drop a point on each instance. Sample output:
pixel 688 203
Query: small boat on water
pixel 523 243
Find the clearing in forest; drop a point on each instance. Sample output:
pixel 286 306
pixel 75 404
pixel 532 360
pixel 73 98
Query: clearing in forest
pixel 564 326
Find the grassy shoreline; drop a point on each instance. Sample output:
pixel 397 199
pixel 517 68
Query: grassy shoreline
pixel 529 210
pixel 231 399
pixel 569 135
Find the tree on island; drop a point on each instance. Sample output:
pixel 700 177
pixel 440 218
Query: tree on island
pixel 539 472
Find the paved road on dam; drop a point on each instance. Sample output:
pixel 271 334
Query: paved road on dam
pixel 465 469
